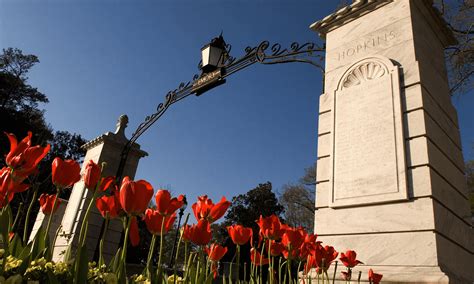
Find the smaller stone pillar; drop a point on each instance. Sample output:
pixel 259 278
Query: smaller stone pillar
pixel 105 148
pixel 42 221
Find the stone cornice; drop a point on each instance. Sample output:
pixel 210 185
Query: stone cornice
pixel 346 14
pixel 361 7
pixel 118 138
pixel 119 141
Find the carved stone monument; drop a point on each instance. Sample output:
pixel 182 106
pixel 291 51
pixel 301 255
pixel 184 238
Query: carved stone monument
pixel 390 171
pixel 105 148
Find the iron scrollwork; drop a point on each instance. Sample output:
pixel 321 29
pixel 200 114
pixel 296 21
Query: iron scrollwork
pixel 263 53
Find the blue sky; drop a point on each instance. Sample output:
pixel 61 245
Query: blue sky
pixel 100 59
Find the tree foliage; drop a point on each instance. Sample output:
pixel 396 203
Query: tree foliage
pixel 20 112
pixel 298 200
pixel 247 208
pixel 459 16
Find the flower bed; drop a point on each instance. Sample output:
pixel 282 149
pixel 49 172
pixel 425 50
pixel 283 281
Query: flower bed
pixel 279 253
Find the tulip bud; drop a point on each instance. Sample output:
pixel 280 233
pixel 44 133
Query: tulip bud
pixel 91 175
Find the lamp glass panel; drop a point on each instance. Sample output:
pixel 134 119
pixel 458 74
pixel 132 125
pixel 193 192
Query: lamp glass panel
pixel 215 56
pixel 205 55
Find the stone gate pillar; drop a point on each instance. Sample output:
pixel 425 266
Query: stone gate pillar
pixel 105 148
pixel 390 171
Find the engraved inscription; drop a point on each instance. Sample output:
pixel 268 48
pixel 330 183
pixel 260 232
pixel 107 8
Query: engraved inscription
pixel 365 150
pixel 367 45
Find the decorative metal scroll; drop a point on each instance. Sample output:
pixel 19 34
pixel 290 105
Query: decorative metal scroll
pixel 263 53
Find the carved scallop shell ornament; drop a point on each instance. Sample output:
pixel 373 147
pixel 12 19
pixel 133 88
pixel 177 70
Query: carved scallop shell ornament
pixel 362 73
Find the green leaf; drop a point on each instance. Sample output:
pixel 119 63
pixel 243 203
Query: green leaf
pixel 5 217
pixel 67 254
pixel 82 266
pixel 52 278
pixel 24 264
pixel 209 278
pixel 25 252
pixel 115 261
pixel 39 244
pixel 15 279
pixel 15 247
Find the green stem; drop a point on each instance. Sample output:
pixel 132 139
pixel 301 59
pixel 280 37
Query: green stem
pixel 20 210
pixel 158 269
pixel 50 218
pixel 149 261
pixel 30 207
pixel 298 272
pixel 252 264
pixel 261 260
pixel 175 266
pixel 279 269
pixel 185 256
pixel 192 256
pixel 270 266
pixel 335 271
pixel 200 258
pixel 123 258
pixel 102 240
pixel 85 222
pixel 54 240
pixel 238 264
pixel 288 265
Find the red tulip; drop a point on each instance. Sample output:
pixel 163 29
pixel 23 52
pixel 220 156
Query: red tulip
pixel 216 252
pixel 166 205
pixel 134 233
pixel 23 158
pixel 276 248
pixel 324 256
pixel 200 233
pixel 109 205
pixel 271 227
pixel 135 196
pixel 293 238
pixel 346 275
pixel 186 233
pixel 46 203
pixel 293 253
pixel 154 220
pixel 91 175
pixel 257 259
pixel 310 263
pixel 204 208
pixel 349 259
pixel 239 234
pixel 65 173
pixel 9 186
pixel 374 277
pixel 107 182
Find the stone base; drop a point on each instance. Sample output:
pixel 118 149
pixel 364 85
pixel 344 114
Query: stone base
pixel 397 274
pixel 419 257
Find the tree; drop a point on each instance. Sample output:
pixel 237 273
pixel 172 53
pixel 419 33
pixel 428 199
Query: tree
pixel 247 208
pixel 459 16
pixel 298 200
pixel 20 113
